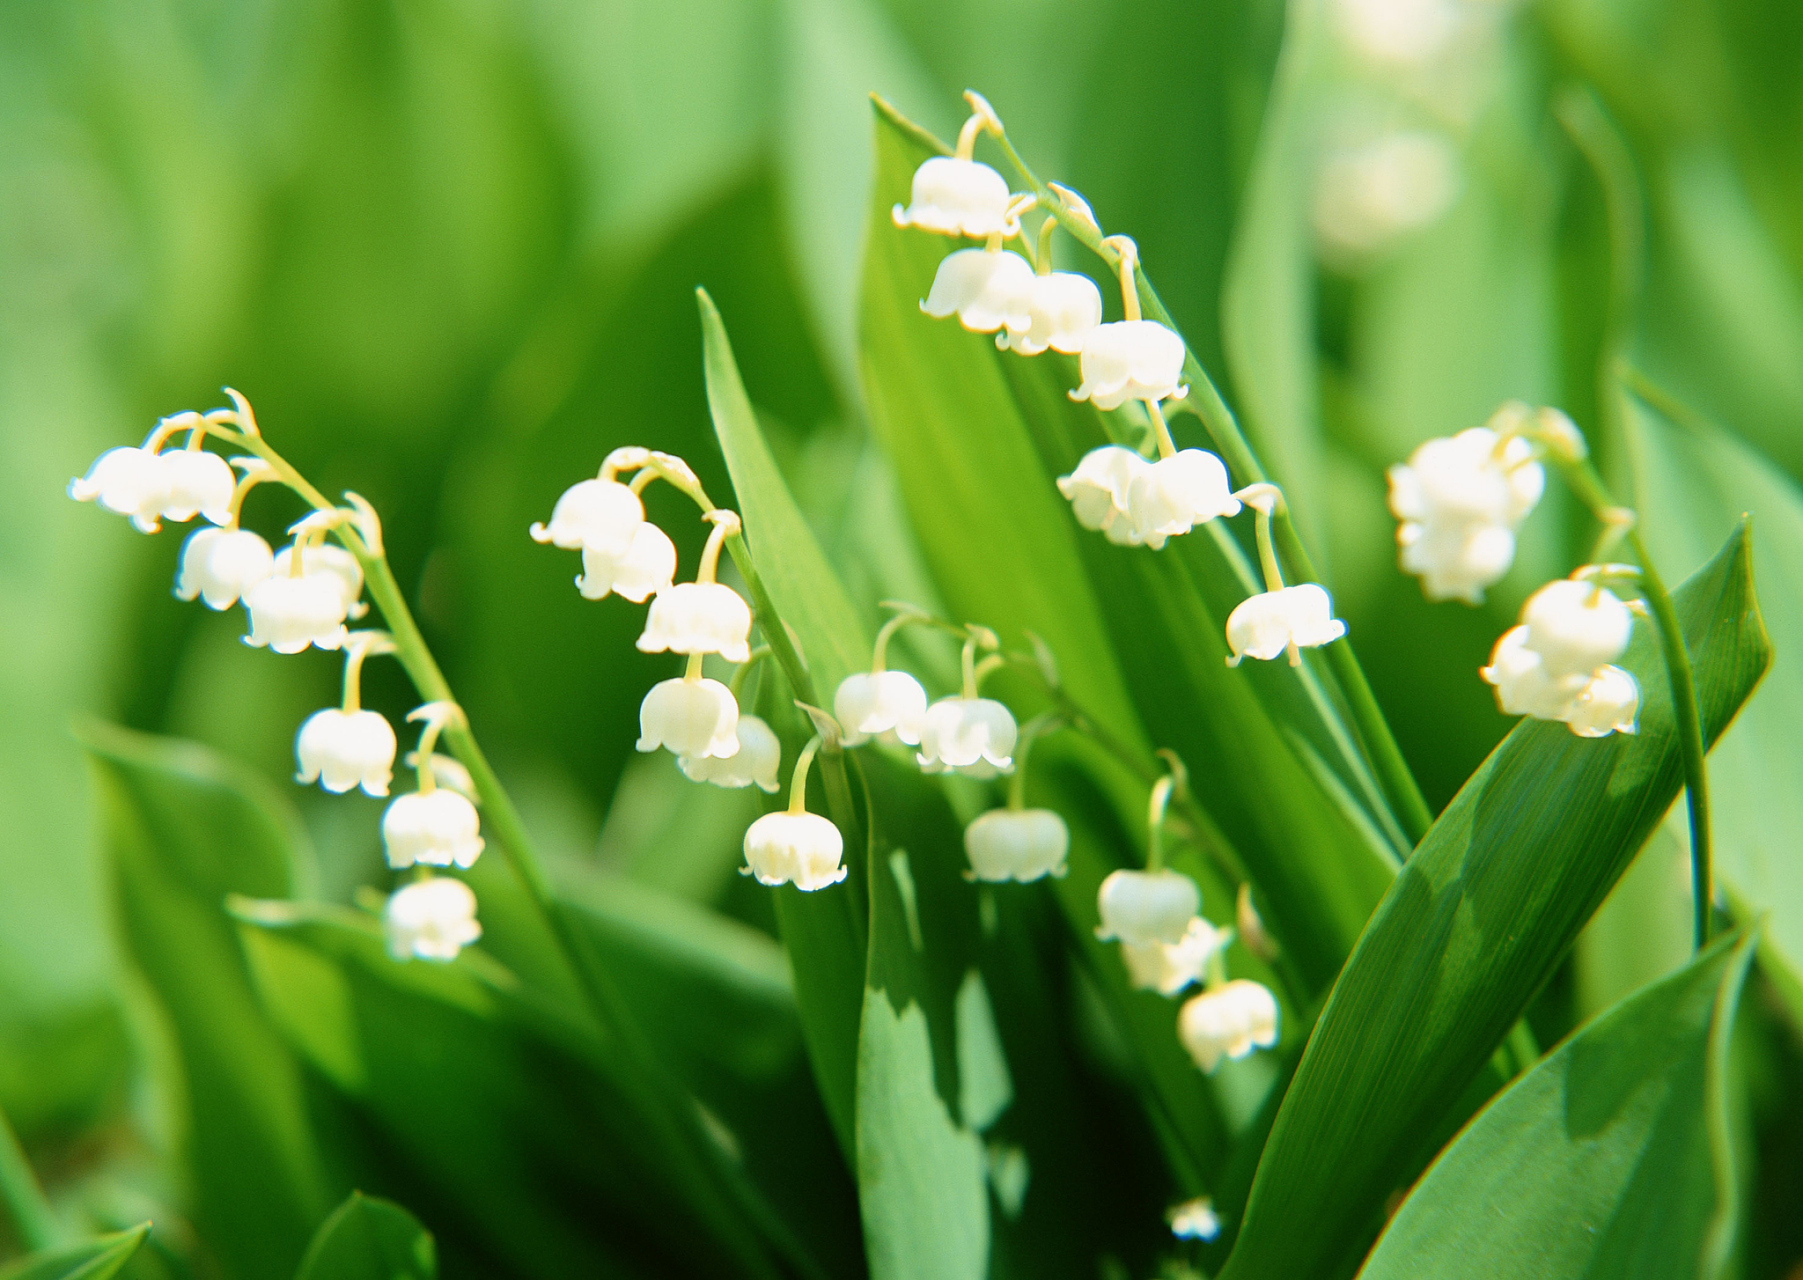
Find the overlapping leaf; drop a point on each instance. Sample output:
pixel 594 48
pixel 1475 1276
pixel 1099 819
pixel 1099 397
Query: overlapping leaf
pixel 97 1260
pixel 1471 929
pixel 370 1239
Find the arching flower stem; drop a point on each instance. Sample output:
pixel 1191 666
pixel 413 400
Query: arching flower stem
pixel 256 472
pixel 1167 447
pixel 437 717
pixel 798 781
pixel 736 684
pixel 1156 804
pixel 726 525
pixel 1042 261
pixel 359 645
pixel 1043 723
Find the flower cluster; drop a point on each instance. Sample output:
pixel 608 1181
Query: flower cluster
pixel 1031 308
pixel 298 598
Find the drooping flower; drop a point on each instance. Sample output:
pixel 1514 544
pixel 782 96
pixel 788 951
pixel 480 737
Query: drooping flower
pixel 699 617
pixel 220 565
pixel 972 736
pixel 1194 1220
pixel 1017 844
pixel 755 763
pixel 1098 491
pixel 1609 703
pixel 986 291
pixel 802 849
pixel 1143 907
pixel 334 563
pixel 647 567
pixel 1460 500
pixel 198 482
pixel 438 828
pixel 1130 360
pixel 696 718
pixel 1524 687
pixel 288 613
pixel 595 515
pixel 1576 627
pixel 1174 494
pixel 345 749
pixel 1228 1022
pixel 129 481
pixel 430 920
pixel 1169 967
pixel 1273 622
pixel 1062 308
pixel 888 706
pixel 1455 561
pixel 957 197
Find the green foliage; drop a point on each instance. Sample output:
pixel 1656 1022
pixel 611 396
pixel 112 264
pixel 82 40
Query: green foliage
pixel 370 1239
pixel 97 1260
pixel 1611 1157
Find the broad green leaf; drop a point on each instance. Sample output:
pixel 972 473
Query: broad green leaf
pixel 1691 481
pixel 370 1239
pixel 183 830
pixel 977 437
pixel 825 932
pixel 1608 1158
pixel 1488 905
pixel 494 1101
pixel 97 1260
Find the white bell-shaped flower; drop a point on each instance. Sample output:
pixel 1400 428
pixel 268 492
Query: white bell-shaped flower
pixel 345 749
pixel 289 613
pixel 1142 907
pixel 986 291
pixel 699 617
pixel 972 736
pixel 1228 1022
pixel 1267 624
pixel 888 706
pixel 438 828
pixel 957 198
pixel 802 849
pixel 1576 627
pixel 1194 1220
pixel 1455 561
pixel 1017 844
pixel 695 718
pixel 1169 967
pixel 1174 494
pixel 199 482
pixel 594 515
pixel 1062 308
pixel 430 920
pixel 130 481
pixel 755 763
pixel 1098 491
pixel 1130 360
pixel 647 567
pixel 1524 687
pixel 1468 479
pixel 220 565
pixel 1609 703
pixel 333 562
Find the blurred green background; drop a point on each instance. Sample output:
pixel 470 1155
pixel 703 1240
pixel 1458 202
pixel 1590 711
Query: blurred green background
pixel 448 250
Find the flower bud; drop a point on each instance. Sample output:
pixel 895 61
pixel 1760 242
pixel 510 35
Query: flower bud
pixel 1142 907
pixel 1265 625
pixel 1230 1021
pixel 289 613
pixel 220 565
pixel 595 515
pixel 1174 494
pixel 1098 490
pixel 1576 627
pixel 888 706
pixel 802 849
pixel 1608 704
pixel 695 718
pixel 1169 967
pixel 1017 844
pixel 646 568
pixel 128 480
pixel 1194 1220
pixel 756 762
pixel 333 563
pixel 438 828
pixel 1061 310
pixel 1130 360
pixel 957 198
pixel 198 482
pixel 699 617
pixel 430 920
pixel 345 749
pixel 972 736
pixel 986 291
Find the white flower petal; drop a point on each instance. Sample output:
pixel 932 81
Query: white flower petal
pixel 1017 844
pixel 802 849
pixel 691 718
pixel 430 920
pixel 699 617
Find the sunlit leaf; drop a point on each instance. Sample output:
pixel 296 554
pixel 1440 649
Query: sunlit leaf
pixel 97 1260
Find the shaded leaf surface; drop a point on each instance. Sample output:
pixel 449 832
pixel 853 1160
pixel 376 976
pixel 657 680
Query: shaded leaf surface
pixel 370 1239
pixel 97 1260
